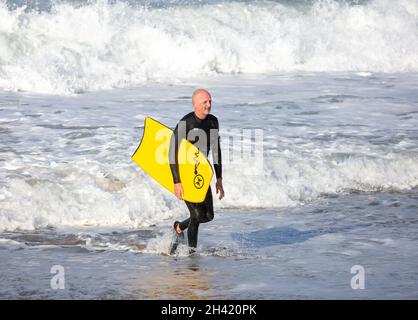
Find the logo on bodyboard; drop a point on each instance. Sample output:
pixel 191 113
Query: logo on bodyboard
pixel 198 180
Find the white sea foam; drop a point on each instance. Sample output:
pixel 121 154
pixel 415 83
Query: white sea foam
pixel 90 193
pixel 69 165
pixel 74 48
pixel 11 244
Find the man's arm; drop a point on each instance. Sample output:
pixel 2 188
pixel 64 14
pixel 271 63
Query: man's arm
pixel 217 163
pixel 174 163
pixel 217 158
pixel 173 155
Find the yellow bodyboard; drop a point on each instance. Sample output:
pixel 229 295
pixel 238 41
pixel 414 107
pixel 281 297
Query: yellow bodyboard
pixel 152 156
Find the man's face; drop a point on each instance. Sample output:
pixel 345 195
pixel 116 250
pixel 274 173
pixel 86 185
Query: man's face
pixel 202 103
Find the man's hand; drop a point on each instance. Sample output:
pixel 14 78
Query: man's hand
pixel 220 188
pixel 178 190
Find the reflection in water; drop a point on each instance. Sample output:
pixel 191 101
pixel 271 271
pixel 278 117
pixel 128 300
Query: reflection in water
pixel 177 281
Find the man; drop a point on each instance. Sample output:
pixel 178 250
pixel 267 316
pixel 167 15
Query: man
pixel 202 129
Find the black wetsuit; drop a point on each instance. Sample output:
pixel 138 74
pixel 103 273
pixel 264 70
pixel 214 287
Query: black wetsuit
pixel 204 134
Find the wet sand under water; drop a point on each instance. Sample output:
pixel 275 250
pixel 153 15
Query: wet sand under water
pixel 305 252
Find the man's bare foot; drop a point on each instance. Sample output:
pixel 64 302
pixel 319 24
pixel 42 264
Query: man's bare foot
pixel 177 227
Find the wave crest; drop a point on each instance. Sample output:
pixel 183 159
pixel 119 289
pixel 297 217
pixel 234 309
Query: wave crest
pixel 102 45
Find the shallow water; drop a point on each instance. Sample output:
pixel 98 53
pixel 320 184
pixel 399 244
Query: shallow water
pixel 300 253
pixel 319 142
pixel 337 188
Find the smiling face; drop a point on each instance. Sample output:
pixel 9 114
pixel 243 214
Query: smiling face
pixel 202 103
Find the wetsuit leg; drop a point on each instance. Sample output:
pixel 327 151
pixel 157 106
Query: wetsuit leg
pixel 184 224
pixel 199 213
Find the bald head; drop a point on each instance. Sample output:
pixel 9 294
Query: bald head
pixel 202 103
pixel 197 94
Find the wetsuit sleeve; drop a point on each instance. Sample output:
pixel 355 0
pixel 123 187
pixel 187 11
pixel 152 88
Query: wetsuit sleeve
pixel 173 151
pixel 178 135
pixel 216 152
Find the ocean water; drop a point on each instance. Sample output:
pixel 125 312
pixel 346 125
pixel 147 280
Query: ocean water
pixel 320 95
